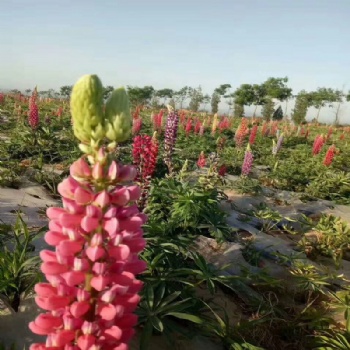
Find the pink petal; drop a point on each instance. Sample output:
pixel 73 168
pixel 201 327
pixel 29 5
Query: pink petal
pixel 45 289
pixel 70 220
pixel 131 224
pixel 108 311
pixel 136 286
pixel 55 226
pixel 114 333
pixel 99 268
pixel 53 268
pixel 80 169
pixel 134 192
pixel 129 302
pixel 38 330
pixel 136 267
pixel 112 171
pixel 102 199
pixel 120 197
pixel 111 226
pixel 48 322
pixel 121 252
pixel 64 337
pixel 93 211
pixel 97 171
pixel 48 256
pixel 54 212
pixel 38 346
pixel 95 253
pixel 82 196
pixel 72 207
pixel 68 248
pixel 110 213
pixel 79 308
pixel 137 245
pixel 52 303
pixel 90 224
pixel 99 282
pixel 86 341
pixel 127 321
pixel 74 278
pixel 54 238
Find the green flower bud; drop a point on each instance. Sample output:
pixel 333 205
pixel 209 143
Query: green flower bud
pixel 86 108
pixel 118 121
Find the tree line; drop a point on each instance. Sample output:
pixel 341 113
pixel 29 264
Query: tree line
pixel 269 94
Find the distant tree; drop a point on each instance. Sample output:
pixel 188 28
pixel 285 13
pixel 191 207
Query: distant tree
pixel 196 98
pixel 260 96
pixel 243 96
pixel 325 96
pixel 216 96
pixel 302 103
pixel 205 101
pixel 181 95
pixel 268 109
pixel 140 95
pixel 278 114
pixel 66 90
pixel 15 91
pixel 164 94
pixel 107 91
pixel 348 96
pixel 215 100
pixel 28 91
pixel 277 88
pixel 238 110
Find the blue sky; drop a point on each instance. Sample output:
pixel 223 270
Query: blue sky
pixel 52 43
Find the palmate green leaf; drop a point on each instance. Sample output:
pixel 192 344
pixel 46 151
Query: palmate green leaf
pixel 157 324
pixel 187 317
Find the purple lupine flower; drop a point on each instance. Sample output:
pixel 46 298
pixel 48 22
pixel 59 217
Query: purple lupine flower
pixel 277 146
pixel 247 162
pixel 170 137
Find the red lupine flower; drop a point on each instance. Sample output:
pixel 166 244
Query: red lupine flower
pixel 188 127
pixel 59 111
pixel 241 132
pixel 158 121
pixel 197 126
pixel 136 114
pixel 222 170
pixel 33 113
pixel 318 144
pixel 201 160
pixel 253 134
pixel 145 153
pixel 2 99
pixel 328 159
pixel 136 125
pixel 342 136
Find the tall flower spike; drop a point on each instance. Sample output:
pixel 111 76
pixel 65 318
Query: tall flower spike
pixel 328 159
pixel 91 293
pixel 247 162
pixel 170 137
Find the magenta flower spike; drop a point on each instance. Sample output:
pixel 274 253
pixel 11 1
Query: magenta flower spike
pixel 91 291
pixel 247 162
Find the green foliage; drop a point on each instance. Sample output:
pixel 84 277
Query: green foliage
pixel 238 110
pixel 331 238
pixel 215 100
pixel 19 267
pixel 196 98
pixel 140 95
pixel 187 208
pixel 302 103
pixel 268 109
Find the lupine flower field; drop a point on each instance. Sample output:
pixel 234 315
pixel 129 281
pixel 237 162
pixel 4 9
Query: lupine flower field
pixel 130 227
